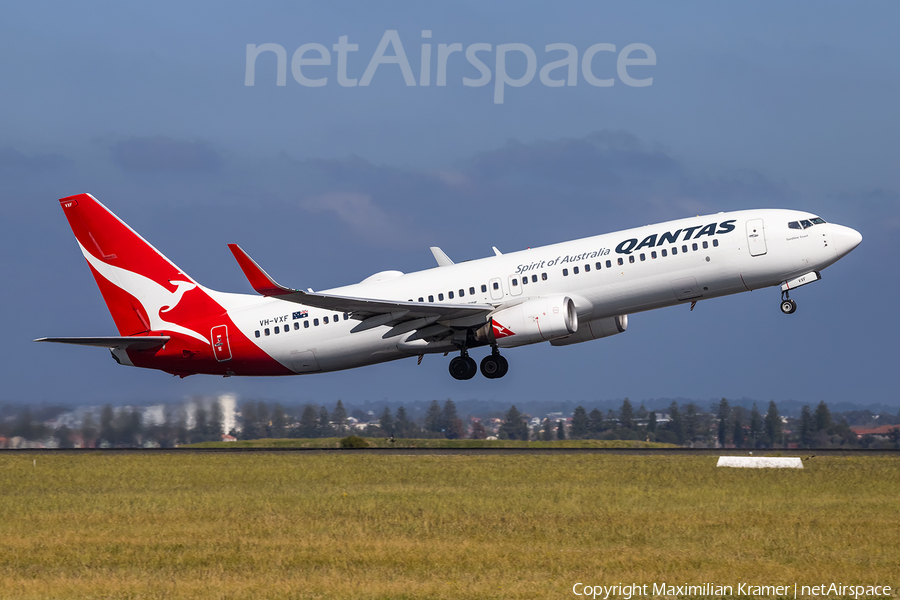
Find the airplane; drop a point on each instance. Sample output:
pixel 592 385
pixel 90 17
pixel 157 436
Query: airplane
pixel 565 293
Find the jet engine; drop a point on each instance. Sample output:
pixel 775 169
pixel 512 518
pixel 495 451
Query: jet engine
pixel 594 330
pixel 536 320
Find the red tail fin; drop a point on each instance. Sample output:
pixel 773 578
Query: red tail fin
pixel 144 290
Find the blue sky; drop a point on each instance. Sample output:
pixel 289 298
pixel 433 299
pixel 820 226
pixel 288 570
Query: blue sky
pixel 146 107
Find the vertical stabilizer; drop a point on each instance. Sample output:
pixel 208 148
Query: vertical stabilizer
pixel 144 291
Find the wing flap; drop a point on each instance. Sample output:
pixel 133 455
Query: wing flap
pixel 144 342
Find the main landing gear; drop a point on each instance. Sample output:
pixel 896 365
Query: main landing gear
pixel 493 366
pixel 788 306
pixel 463 366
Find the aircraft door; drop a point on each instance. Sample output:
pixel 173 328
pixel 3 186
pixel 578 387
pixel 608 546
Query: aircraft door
pixel 496 288
pixel 756 237
pixel 220 344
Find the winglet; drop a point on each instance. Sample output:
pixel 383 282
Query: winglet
pixel 258 278
pixel 442 259
pixel 496 252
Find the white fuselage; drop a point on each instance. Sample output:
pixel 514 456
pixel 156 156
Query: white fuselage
pixel 606 276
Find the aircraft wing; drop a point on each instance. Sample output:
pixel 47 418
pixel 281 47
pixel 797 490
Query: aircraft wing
pixel 140 342
pixel 404 316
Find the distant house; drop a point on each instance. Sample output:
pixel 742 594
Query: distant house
pixel 883 431
pixel 228 438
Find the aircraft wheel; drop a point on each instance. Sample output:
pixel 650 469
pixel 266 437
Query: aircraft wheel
pixel 491 367
pixel 463 367
pixel 472 367
pixel 504 366
pixel 788 307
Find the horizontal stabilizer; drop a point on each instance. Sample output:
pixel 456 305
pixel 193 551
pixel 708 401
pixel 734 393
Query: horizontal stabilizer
pixel 141 342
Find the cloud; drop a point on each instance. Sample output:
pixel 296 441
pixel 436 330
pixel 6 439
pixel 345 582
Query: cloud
pixel 520 194
pixel 358 212
pixel 161 154
pixel 13 161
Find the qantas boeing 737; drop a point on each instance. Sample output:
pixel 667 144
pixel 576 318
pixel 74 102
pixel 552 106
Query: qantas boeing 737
pixel 565 293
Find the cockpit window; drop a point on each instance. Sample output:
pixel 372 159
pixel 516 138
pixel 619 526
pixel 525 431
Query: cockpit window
pixel 806 223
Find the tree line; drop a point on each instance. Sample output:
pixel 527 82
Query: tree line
pixel 683 424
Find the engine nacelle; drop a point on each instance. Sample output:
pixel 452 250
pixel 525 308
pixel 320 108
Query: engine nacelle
pixel 594 330
pixel 537 320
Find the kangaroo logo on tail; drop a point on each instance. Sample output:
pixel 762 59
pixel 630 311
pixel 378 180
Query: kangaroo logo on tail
pixel 155 298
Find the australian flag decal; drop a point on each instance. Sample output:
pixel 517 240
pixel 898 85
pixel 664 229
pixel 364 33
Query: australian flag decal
pixel 301 314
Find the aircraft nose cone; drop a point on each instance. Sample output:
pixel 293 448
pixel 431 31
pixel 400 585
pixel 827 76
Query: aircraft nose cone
pixel 845 239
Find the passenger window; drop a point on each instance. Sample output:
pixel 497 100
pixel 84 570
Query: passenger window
pixel 347 315
pixel 450 295
pixel 631 258
pixel 715 243
pixel 515 282
pixel 653 254
pixel 575 270
pixel 306 324
pixel 421 299
pixel 316 322
pixel 276 331
pixel 324 321
pixel 525 280
pixel 694 246
pixel 462 293
pixel 664 253
pixel 296 326
pixel 674 250
pixel 544 276
pixel 471 291
pixel 266 331
pixel 338 318
pixel 684 248
pixel 440 296
pixel 598 265
pixel 705 245
pixel 534 279
pixel 643 257
pixel 496 285
pixel 431 298
pixel 587 268
pixel 483 288
pixel 609 264
pixel 257 333
pixel 621 262
pixel 565 272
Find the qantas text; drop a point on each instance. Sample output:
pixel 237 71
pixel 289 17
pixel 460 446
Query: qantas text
pixel 633 244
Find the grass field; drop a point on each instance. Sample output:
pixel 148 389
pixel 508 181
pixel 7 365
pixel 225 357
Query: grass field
pixel 363 526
